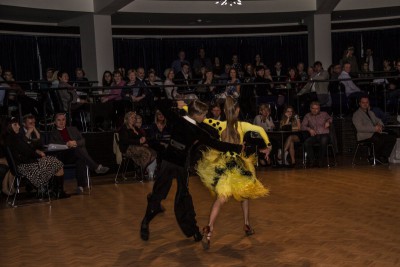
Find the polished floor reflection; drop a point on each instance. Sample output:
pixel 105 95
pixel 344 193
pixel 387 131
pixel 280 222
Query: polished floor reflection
pixel 342 216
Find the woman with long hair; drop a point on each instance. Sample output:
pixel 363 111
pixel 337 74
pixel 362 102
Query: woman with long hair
pixel 32 163
pixel 291 122
pixel 231 174
pixel 134 145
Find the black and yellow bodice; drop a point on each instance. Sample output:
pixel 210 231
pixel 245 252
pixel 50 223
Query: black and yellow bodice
pixel 243 128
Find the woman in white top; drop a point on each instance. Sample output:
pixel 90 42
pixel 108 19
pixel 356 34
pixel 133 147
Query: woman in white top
pixel 169 85
pixel 264 119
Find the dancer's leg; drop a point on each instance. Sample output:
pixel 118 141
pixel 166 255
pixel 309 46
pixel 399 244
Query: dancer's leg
pixel 215 210
pixel 247 228
pixel 245 209
pixel 207 231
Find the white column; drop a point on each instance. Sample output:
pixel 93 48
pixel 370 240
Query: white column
pixel 319 39
pixel 96 45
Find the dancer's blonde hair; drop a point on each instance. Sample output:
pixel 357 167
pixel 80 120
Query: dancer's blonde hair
pixel 231 134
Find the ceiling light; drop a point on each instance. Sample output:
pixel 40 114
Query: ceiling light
pixel 229 2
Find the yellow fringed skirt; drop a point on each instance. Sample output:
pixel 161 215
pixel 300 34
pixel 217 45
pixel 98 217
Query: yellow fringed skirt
pixel 228 175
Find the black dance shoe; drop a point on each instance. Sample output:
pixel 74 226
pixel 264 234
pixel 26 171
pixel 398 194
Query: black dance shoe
pixel 197 236
pixel 144 230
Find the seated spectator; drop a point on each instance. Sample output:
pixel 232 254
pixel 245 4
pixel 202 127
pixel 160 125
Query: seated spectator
pixel 264 119
pixel 115 97
pixel 80 79
pixel 134 145
pixel 17 95
pixel 177 64
pixel 33 163
pixel 264 86
pixel 115 92
pixel 371 128
pixel 318 90
pixel 159 133
pixel 171 90
pixel 317 123
pixel 139 124
pixel 69 96
pixel 209 90
pixel 107 79
pixel 216 113
pixel 30 133
pixel 351 90
pixel 184 77
pixel 6 177
pixel 233 84
pixel 289 122
pixel 153 83
pixel 76 152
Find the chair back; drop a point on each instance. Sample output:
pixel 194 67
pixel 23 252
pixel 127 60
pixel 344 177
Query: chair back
pixel 116 150
pixel 11 162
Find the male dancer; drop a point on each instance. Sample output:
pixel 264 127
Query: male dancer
pixel 175 163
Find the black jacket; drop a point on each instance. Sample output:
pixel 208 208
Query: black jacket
pixel 185 134
pixel 21 151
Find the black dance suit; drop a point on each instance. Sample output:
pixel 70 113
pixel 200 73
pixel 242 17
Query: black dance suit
pixel 175 164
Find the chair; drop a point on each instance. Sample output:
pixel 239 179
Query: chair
pixel 329 146
pixel 123 163
pixel 364 143
pixel 18 178
pixel 72 167
pixel 370 147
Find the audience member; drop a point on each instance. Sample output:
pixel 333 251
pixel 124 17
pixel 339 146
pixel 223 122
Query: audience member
pixel 216 112
pixel 264 118
pixel 262 88
pixel 30 133
pixel 317 123
pixel 371 128
pixel 160 134
pixel 107 79
pixel 289 122
pixel 350 58
pixel 184 77
pixel 134 145
pixel 76 152
pixel 80 79
pixel 201 61
pixel 318 91
pixel 351 90
pixel 177 64
pixel 171 90
pixel 33 163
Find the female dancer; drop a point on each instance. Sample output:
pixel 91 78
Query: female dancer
pixel 230 174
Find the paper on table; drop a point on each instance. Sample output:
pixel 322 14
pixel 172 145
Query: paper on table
pixel 52 147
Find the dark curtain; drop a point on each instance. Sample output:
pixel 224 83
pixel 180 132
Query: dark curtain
pixel 18 54
pixel 62 53
pixel 159 53
pixel 384 43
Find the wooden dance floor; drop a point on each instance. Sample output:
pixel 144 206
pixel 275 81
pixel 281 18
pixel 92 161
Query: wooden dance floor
pixel 342 216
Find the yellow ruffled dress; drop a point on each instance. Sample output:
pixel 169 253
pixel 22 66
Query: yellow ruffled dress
pixel 230 174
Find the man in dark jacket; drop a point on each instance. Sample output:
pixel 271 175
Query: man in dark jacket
pixel 175 164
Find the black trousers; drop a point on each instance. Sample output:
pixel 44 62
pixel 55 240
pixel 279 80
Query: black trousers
pixel 81 158
pixel 322 140
pixel 184 209
pixel 383 144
